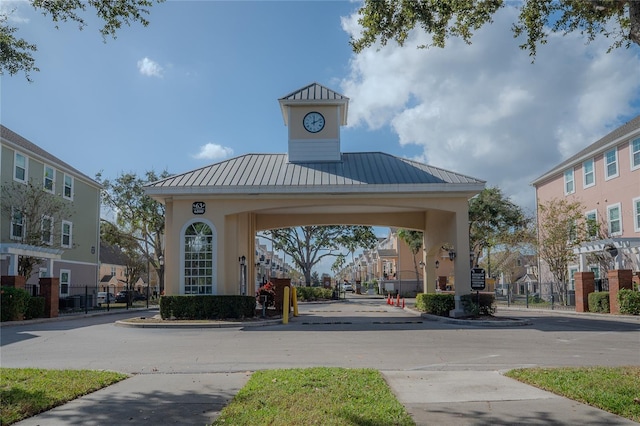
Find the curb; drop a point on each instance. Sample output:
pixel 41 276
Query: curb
pixel 447 320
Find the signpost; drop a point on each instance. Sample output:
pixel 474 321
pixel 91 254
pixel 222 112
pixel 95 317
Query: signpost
pixel 478 281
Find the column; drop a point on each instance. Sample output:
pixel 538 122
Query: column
pixel 50 290
pixel 585 284
pixel 618 279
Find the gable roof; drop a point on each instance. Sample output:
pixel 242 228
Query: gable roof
pixel 314 93
pixel 20 143
pixel 627 130
pixel 361 172
pixel 111 254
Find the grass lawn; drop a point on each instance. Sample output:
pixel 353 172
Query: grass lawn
pixel 315 396
pixel 29 391
pixel 612 389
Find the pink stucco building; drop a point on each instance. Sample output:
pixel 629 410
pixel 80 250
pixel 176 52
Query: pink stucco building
pixel 605 177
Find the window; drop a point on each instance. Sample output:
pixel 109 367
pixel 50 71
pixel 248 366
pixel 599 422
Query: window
pixel 65 281
pixel 636 214
pixel 592 223
pixel 68 187
pixel 113 271
pixel 46 227
pixel 634 150
pixel 589 177
pixel 20 167
pixel 198 259
pixel 17 224
pixel 67 228
pixel 572 278
pixel 614 220
pixel 611 164
pixel 569 187
pixel 49 178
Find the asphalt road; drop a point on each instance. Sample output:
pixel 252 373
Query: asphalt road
pixel 358 332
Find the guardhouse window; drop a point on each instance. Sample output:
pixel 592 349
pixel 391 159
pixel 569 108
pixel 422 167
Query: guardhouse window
pixel 198 259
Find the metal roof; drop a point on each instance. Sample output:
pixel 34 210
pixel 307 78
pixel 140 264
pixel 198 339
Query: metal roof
pixel 357 172
pixel 601 145
pixel 314 92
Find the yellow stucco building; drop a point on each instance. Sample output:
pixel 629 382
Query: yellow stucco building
pixel 213 213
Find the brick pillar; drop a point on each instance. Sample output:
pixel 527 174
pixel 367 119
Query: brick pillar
pixel 585 284
pixel 618 279
pixel 50 290
pixel 17 281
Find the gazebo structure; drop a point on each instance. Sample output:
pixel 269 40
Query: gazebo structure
pixel 213 213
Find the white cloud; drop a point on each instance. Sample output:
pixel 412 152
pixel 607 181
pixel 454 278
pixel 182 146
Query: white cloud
pixel 149 68
pixel 212 151
pixel 484 109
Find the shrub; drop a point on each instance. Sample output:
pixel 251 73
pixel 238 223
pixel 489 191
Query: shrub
pixel 207 307
pixel 471 307
pixel 13 303
pixel 599 302
pixel 435 303
pixel 629 301
pixel 308 294
pixel 35 308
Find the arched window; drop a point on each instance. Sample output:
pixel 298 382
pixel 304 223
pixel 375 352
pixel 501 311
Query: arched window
pixel 199 259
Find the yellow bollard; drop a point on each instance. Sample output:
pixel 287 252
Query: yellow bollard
pixel 285 306
pixel 294 299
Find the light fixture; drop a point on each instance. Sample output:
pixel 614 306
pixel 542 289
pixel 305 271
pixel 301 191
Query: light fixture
pixel 242 260
pixel 437 264
pixel 421 264
pixel 452 255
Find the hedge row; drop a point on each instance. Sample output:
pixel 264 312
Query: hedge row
pixel 441 303
pixel 18 304
pixel 309 294
pixel 207 307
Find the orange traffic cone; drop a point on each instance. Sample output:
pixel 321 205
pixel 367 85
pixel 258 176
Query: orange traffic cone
pixel 388 299
pixel 403 303
pixel 398 300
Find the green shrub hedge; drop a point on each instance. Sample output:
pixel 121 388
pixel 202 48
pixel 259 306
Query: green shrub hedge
pixel 207 307
pixel 599 302
pixel 435 303
pixel 629 301
pixel 35 307
pixel 486 307
pixel 309 294
pixel 13 303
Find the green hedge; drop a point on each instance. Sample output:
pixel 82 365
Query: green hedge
pixel 308 294
pixel 435 303
pixel 207 307
pixel 599 302
pixel 629 301
pixel 35 308
pixel 13 303
pixel 487 304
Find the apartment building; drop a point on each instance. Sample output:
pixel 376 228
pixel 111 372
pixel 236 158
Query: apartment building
pixel 605 178
pixel 69 247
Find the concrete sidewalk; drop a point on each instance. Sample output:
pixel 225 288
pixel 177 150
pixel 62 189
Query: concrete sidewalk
pixel 431 397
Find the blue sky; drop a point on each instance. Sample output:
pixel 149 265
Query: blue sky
pixel 201 84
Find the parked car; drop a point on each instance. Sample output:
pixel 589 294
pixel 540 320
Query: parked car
pixel 123 295
pixel 105 297
pixel 347 287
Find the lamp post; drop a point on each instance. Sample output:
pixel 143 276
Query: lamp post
pixel 161 277
pixel 243 275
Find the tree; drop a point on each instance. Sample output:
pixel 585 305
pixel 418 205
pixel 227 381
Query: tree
pixel 413 239
pixel 38 216
pixel 16 53
pixel 139 220
pixel 308 245
pixel 128 248
pixel 386 20
pixel 561 227
pixel 493 220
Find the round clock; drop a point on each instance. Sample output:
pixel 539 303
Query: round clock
pixel 313 122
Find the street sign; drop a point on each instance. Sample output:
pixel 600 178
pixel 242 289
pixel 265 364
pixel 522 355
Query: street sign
pixel 477 279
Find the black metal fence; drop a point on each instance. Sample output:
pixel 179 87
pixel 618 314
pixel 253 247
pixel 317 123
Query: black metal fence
pixel 538 296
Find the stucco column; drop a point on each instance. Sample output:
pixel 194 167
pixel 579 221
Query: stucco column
pixel 618 279
pixel 461 267
pixel 585 284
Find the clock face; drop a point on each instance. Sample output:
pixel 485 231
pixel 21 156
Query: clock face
pixel 313 122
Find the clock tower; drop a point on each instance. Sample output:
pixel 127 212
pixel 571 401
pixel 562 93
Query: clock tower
pixel 314 115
